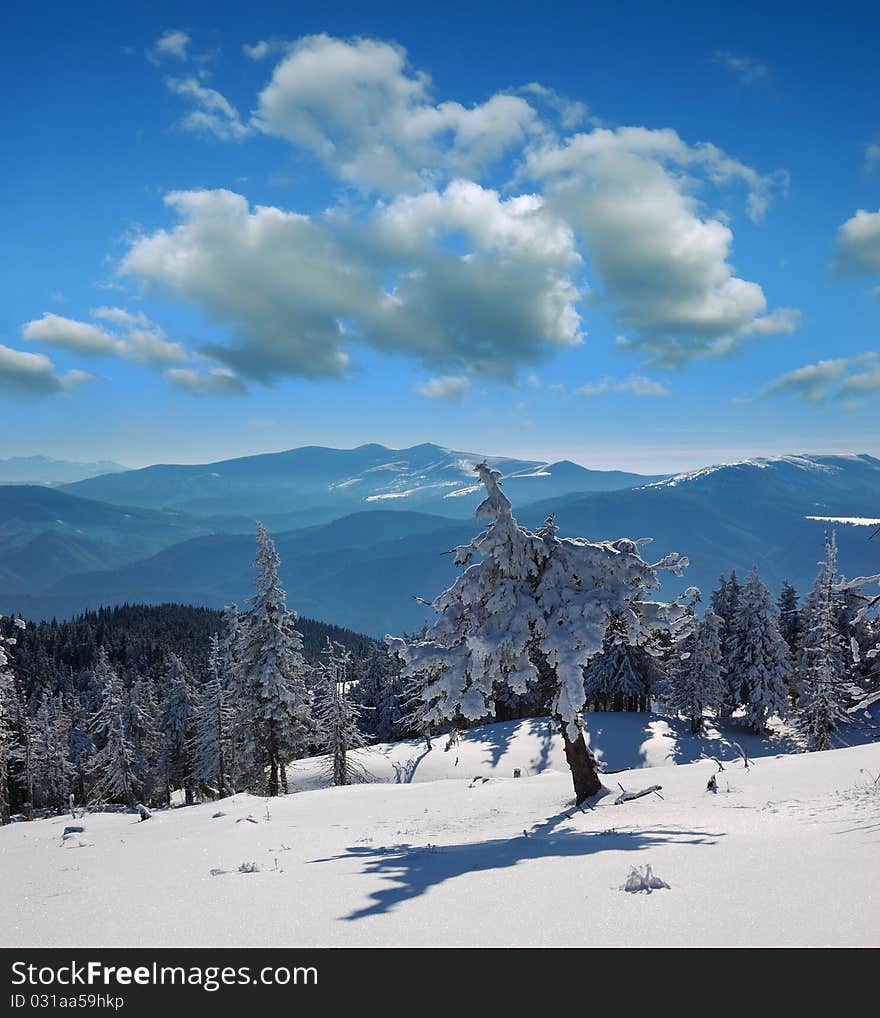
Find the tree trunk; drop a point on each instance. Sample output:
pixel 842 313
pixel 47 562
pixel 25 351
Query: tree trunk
pixel 273 761
pixel 582 765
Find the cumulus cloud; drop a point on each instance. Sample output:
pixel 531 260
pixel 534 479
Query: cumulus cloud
pixel 634 385
pixel 747 69
pixel 214 382
pixel 171 44
pixel 133 336
pixel 662 260
pixel 430 262
pixel 212 112
pixel 461 281
pixel 33 374
pixel 450 387
pixel 838 377
pixel 359 107
pixel 858 245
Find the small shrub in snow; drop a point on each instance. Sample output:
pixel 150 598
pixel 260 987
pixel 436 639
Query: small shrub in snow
pixel 640 879
pixel 249 867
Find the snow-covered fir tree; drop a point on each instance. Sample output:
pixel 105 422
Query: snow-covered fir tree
pixel 724 601
pixel 824 658
pixel 789 616
pixel 52 767
pixel 337 716
pixel 380 691
pixel 535 608
pixel 142 724
pixel 239 726
pixel 695 683
pixel 619 678
pixel 112 765
pixel 759 665
pixel 790 630
pixel 271 670
pixel 177 727
pixel 8 711
pixel 213 728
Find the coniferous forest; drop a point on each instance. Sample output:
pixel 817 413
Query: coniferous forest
pixel 127 706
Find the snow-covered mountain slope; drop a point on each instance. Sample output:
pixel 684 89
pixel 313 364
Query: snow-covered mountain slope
pixel 363 570
pixel 783 854
pixel 818 478
pixel 316 484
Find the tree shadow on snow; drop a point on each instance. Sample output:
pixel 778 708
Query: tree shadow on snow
pixel 411 870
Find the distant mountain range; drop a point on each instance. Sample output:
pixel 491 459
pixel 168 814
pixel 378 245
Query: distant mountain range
pixel 314 484
pixel 43 470
pixel 46 534
pixel 363 569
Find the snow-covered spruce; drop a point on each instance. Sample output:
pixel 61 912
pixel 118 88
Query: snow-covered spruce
pixel 53 771
pixel 824 659
pixel 758 665
pixel 271 678
pixel 111 766
pixel 337 716
pixel 696 683
pixel 211 750
pixel 790 631
pixel 178 724
pixel 7 713
pixel 624 676
pixel 725 603
pixel 535 609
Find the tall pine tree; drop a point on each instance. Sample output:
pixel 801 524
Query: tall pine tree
pixel 759 655
pixel 823 661
pixel 274 696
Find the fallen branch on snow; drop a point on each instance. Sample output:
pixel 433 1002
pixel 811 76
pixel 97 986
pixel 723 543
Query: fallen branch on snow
pixel 626 796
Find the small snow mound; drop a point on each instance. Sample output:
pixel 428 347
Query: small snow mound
pixel 72 837
pixel 643 880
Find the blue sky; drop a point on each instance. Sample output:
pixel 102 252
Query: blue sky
pixel 646 237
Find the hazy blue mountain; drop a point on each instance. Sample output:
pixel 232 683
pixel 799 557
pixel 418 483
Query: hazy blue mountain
pixel 43 470
pixel 364 570
pixel 46 534
pixel 315 484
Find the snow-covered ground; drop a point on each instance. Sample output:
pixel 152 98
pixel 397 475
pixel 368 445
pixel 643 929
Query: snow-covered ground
pixel 440 853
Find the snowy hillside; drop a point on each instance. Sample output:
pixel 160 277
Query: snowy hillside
pixel 783 853
pixel 315 484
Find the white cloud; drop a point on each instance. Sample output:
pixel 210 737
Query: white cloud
pixel 462 281
pixel 449 387
pixel 872 157
pixel 359 107
pixel 442 268
pixel 839 377
pixel 571 113
pixel 747 69
pixel 634 385
pixel 215 382
pixel 858 245
pixel 263 48
pixel 172 44
pixel 134 337
pixel 662 261
pixel 69 334
pixel 212 113
pixel 33 374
